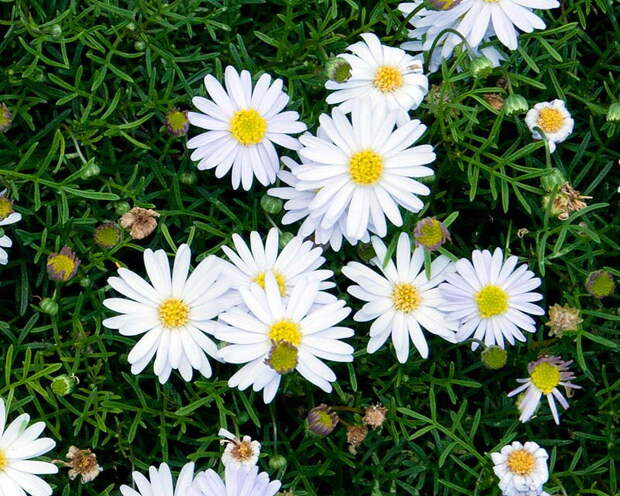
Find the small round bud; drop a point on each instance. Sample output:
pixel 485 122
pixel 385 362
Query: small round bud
pixel 515 104
pixel 338 69
pixel 600 283
pixel 176 122
pixel 242 418
pixel 49 306
pixel 122 207
pixel 139 46
pixel 553 180
pixel 107 235
pixel 322 420
pixel 613 114
pixel 85 282
pixel 188 178
pixel 481 67
pixel 365 251
pixel 63 384
pixel 270 204
pixel 427 179
pixel 277 462
pixel 285 239
pixel 131 26
pixel 91 170
pixel 494 357
pixel 56 31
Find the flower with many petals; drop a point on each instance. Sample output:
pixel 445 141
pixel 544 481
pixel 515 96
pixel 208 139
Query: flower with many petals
pixel 521 468
pixel 175 313
pixel 553 119
pixel 238 481
pixel 243 123
pixel 241 451
pixel 161 482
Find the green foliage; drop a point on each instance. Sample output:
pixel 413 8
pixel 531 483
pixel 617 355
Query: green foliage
pixel 88 84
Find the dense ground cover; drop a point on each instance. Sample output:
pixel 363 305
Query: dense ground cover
pixel 89 83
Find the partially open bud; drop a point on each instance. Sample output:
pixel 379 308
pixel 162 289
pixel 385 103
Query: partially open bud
pixel 494 357
pixel 176 122
pixel 63 384
pixel 430 233
pixel 49 306
pixel 338 69
pixel 277 462
pixel 481 67
pixel 515 104
pixel 613 114
pixel 600 283
pixel 270 204
pixel 322 420
pixel 553 180
pixel 285 238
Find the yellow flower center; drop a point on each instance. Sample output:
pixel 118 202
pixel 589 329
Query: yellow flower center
pixel 521 462
pixel 62 265
pixel 177 120
pixel 283 357
pixel 431 233
pixel 405 297
pixel 285 331
pixel 248 127
pixel 173 313
pixel 260 280
pixel 6 207
pixel 550 120
pixel 4 462
pixel 491 300
pixel 365 167
pixel 388 79
pixel 545 377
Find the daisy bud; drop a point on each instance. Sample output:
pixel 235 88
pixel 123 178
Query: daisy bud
pixel 82 463
pixel 63 265
pixel 481 67
pixel 338 69
pixel 63 384
pixel 430 233
pixel 188 178
pixel 322 420
pixel 374 416
pixel 563 318
pixel 553 180
pixel 107 235
pixel 515 104
pixel 56 31
pixel 5 118
pixel 176 122
pixel 277 462
pixel 139 46
pixel 366 252
pixel 613 114
pixel 85 282
pixel 140 221
pixel 270 204
pixel 495 100
pixel 285 239
pixel 600 283
pixel 355 436
pixel 49 306
pixel 121 207
pixel 493 357
pixel 131 26
pixel 91 170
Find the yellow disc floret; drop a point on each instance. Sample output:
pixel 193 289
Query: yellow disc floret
pixel 260 280
pixel 283 357
pixel 4 462
pixel 173 313
pixel 286 331
pixel 550 120
pixel 521 462
pixel 405 297
pixel 545 377
pixel 491 300
pixel 6 207
pixel 248 127
pixel 388 79
pixel 365 167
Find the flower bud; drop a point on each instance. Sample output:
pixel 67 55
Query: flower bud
pixel 85 282
pixel 553 180
pixel 176 122
pixel 322 420
pixel 494 357
pixel 600 283
pixel 91 170
pixel 56 31
pixel 5 118
pixel 131 26
pixel 63 384
pixel 277 462
pixel 285 239
pixel 188 178
pixel 481 67
pixel 49 306
pixel 338 69
pixel 270 204
pixel 515 104
pixel 139 46
pixel 430 233
pixel 365 251
pixel 63 265
pixel 613 114
pixel 121 207
pixel 107 235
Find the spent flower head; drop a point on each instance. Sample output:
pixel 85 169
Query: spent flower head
pixel 140 221
pixel 176 121
pixel 63 265
pixel 600 283
pixel 355 436
pixel 107 235
pixel 82 463
pixel 374 416
pixel 430 233
pixel 562 319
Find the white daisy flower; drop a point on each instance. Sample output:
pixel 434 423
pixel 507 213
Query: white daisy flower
pixel 386 75
pixel 239 480
pixel 546 374
pixel 275 337
pixel 298 262
pixel 553 119
pixel 175 311
pixel 161 482
pixel 239 451
pixel 402 301
pixel 7 216
pixel 491 299
pixel 521 468
pixel 243 123
pixel 430 29
pixel 18 444
pixel 297 205
pixel 364 168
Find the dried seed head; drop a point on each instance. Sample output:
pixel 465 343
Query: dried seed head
pixel 355 436
pixel 374 416
pixel 140 221
pixel 495 100
pixel 563 318
pixel 82 463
